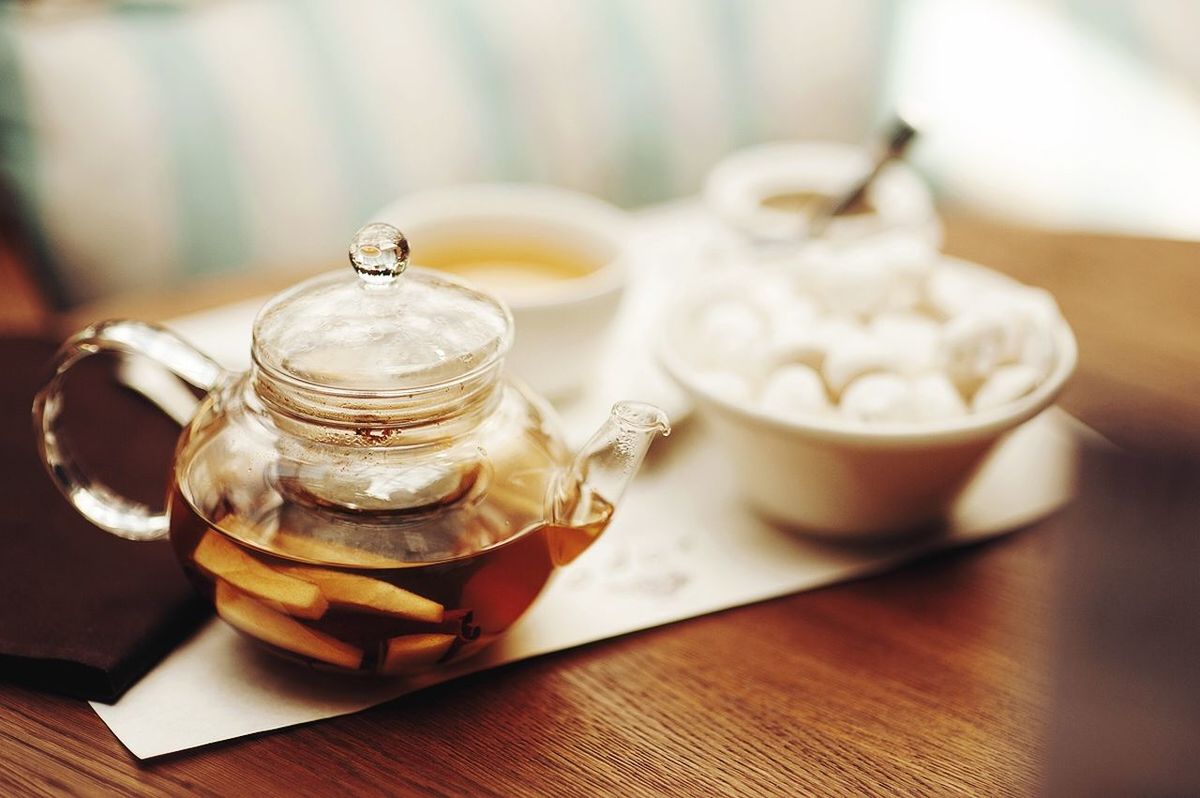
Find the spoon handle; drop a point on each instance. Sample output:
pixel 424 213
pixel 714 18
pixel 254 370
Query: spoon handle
pixel 900 134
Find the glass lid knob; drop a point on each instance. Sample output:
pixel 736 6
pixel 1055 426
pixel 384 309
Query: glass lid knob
pixel 379 253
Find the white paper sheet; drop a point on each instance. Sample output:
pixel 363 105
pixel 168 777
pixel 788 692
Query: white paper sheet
pixel 672 552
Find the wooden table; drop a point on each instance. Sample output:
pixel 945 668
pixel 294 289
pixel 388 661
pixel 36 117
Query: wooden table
pixel 929 680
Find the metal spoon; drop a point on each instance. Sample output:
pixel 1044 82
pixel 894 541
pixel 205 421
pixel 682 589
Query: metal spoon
pixel 898 136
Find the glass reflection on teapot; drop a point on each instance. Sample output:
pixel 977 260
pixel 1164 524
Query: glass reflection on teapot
pixel 373 495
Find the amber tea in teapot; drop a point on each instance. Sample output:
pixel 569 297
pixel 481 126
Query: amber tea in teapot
pixel 373 495
pixel 334 605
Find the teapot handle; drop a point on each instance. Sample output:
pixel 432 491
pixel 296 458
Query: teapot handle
pixel 95 501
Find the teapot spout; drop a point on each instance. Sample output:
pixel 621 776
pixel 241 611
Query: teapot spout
pixel 606 464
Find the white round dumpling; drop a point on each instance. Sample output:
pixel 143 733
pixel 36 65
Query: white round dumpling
pixel 727 332
pixel 878 397
pixel 974 343
pixel 952 289
pixel 913 339
pixel 1039 349
pixel 804 264
pixel 792 316
pixel 794 391
pixel 910 262
pixel 778 298
pixel 1035 318
pixel 854 284
pixel 837 329
pixel 904 252
pixel 798 343
pixel 949 292
pixel 1007 384
pixel 934 398
pixel 855 356
pixel 728 385
pixel 807 343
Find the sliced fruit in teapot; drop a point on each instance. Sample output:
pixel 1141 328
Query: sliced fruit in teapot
pixel 413 653
pixel 225 561
pixel 274 628
pixel 364 593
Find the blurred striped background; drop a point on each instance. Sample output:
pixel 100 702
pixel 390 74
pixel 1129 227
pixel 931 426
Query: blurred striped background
pixel 144 143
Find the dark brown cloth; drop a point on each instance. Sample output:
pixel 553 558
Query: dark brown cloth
pixel 82 612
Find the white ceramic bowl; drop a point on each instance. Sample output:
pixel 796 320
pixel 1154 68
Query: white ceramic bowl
pixel 559 332
pixel 841 478
pixel 736 187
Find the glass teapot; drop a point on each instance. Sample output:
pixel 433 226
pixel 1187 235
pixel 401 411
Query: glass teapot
pixel 372 495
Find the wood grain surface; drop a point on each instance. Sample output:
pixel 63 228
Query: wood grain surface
pixel 927 681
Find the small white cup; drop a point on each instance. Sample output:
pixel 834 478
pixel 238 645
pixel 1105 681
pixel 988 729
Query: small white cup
pixel 736 187
pixel 559 331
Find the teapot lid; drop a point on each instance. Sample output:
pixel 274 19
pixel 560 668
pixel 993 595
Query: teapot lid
pixel 384 328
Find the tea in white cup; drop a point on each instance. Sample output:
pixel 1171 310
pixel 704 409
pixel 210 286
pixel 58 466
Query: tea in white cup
pixel 513 269
pixel 556 257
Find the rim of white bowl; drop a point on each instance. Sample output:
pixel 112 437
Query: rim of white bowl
pixel 557 210
pixel 973 425
pixel 736 186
